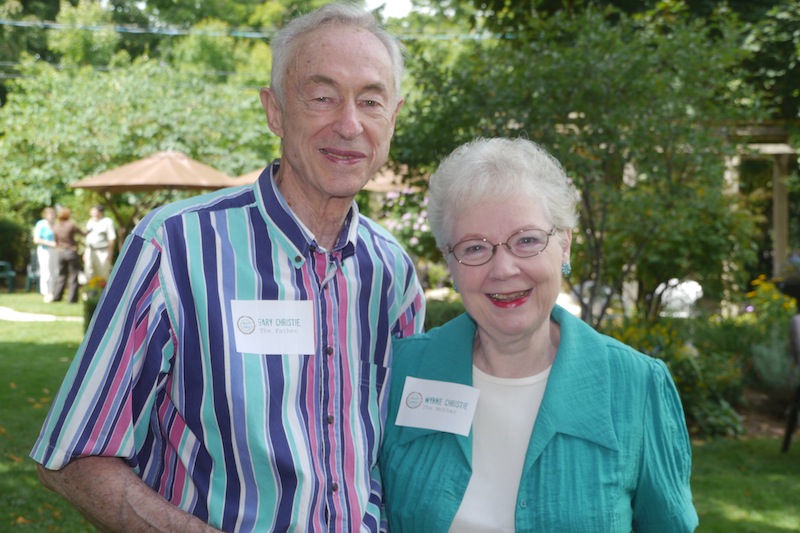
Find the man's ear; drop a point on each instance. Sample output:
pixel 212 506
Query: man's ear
pixel 273 110
pixel 396 112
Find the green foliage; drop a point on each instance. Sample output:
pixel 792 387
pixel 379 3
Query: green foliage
pixel 89 305
pixel 437 312
pixel 64 125
pixel 768 307
pixel 629 108
pixel 770 312
pixel 404 215
pixel 15 243
pixel 775 42
pixel 75 44
pixel 208 49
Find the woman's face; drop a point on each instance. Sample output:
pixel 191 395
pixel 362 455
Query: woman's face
pixel 509 297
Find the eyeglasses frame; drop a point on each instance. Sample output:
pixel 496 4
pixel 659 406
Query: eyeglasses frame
pixel 450 249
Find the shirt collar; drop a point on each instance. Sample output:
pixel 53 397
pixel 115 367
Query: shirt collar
pixel 293 235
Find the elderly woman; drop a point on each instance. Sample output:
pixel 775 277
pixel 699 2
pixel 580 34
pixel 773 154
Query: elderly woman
pixel 517 416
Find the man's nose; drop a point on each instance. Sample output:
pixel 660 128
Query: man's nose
pixel 348 123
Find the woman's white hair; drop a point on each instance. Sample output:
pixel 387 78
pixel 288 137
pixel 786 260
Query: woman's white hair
pixel 284 43
pixel 497 170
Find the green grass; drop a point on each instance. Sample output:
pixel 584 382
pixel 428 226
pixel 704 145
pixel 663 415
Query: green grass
pixel 739 486
pixel 747 486
pixel 34 357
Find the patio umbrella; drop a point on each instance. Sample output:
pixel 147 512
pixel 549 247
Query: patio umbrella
pixel 163 170
pixel 250 177
pixel 385 181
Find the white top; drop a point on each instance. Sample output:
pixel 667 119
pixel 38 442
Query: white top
pixel 502 427
pixel 100 233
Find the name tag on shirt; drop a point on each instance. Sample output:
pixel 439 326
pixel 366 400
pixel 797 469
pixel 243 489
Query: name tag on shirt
pixel 273 327
pixel 437 405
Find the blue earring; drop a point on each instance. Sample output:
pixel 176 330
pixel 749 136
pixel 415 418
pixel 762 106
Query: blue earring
pixel 566 268
pixel 455 287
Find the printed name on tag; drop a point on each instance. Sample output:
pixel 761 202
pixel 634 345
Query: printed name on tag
pixel 274 327
pixel 437 405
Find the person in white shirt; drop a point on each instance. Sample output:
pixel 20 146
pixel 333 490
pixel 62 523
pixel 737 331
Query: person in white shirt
pixel 45 241
pixel 100 238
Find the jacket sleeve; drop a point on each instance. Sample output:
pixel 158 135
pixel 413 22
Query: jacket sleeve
pixel 663 500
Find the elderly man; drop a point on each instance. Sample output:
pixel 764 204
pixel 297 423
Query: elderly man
pixel 234 377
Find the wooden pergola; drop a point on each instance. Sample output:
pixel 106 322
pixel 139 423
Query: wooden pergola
pixel 770 141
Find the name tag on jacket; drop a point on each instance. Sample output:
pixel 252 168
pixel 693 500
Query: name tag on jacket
pixel 437 405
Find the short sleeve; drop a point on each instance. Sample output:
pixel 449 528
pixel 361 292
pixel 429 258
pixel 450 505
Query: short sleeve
pixel 108 393
pixel 663 500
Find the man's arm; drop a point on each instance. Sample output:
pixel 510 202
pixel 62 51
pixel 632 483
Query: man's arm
pixel 113 498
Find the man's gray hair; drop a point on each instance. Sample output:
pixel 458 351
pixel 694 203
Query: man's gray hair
pixel 284 43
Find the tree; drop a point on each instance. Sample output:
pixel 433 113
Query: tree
pixel 633 110
pixel 62 125
pixel 775 65
pixel 75 44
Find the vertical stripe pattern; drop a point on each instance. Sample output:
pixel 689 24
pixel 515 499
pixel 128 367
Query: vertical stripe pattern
pixel 247 442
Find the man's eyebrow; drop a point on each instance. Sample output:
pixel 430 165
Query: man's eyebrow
pixel 379 87
pixel 321 79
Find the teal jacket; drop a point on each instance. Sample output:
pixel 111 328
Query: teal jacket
pixel 609 451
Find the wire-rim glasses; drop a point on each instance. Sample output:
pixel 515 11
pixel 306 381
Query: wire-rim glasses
pixel 527 242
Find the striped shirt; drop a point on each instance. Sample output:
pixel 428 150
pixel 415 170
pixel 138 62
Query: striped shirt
pixel 246 442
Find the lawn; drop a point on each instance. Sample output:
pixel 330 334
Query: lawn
pixel 741 486
pixel 33 360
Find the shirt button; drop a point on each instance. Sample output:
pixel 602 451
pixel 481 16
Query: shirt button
pixel 330 419
pixel 329 350
pixel 297 259
pixel 523 504
pixel 335 487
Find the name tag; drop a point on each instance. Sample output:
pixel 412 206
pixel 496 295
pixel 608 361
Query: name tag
pixel 437 405
pixel 274 327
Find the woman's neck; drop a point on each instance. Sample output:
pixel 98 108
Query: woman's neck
pixel 519 358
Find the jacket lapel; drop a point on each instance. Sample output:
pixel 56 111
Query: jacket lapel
pixel 578 396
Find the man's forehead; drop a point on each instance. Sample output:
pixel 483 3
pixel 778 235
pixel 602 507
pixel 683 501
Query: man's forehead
pixel 339 55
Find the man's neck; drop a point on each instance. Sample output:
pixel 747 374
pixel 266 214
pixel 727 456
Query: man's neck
pixel 323 216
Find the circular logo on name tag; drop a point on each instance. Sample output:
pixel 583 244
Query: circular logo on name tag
pixel 246 325
pixel 414 400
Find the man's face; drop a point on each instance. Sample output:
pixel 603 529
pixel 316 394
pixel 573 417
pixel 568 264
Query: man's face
pixel 338 116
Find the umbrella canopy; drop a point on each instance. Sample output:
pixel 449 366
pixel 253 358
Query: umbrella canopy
pixel 163 170
pixel 250 177
pixel 385 181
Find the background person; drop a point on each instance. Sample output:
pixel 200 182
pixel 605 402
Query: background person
pixel 188 408
pixel 69 263
pixel 573 431
pixel 46 253
pixel 100 239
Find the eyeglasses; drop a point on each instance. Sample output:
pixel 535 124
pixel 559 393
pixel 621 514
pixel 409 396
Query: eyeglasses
pixel 524 243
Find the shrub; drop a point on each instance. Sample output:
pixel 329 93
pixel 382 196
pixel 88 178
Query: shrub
pixel 440 311
pixel 768 314
pixel 15 248
pixel 91 297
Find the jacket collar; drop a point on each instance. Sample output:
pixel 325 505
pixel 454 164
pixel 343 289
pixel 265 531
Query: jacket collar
pixel 577 401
